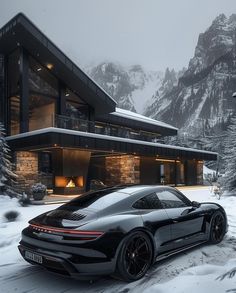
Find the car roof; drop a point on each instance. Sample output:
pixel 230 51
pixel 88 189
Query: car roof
pixel 137 189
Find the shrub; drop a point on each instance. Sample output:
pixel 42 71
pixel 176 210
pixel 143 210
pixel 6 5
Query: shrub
pixel 24 199
pixel 38 188
pixel 38 191
pixel 11 216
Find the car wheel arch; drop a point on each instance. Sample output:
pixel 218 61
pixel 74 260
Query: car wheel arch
pixel 138 229
pixel 214 214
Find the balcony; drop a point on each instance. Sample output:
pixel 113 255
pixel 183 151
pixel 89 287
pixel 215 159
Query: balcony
pixel 71 123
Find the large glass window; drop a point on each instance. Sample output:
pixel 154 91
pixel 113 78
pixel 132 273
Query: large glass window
pixel 14 73
pixel 14 91
pixel 45 162
pixel 41 81
pixel 75 107
pixel 14 105
pixel 41 111
pixel 43 88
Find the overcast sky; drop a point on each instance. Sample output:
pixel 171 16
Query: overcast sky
pixel 153 33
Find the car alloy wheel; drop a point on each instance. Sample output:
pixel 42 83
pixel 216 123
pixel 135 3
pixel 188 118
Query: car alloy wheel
pixel 135 256
pixel 218 227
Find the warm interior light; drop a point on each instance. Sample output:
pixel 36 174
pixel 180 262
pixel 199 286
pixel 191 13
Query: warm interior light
pixel 63 181
pixel 49 65
pixel 80 181
pixel 166 160
pixel 71 183
pixel 60 181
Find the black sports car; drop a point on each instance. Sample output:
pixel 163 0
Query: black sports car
pixel 120 230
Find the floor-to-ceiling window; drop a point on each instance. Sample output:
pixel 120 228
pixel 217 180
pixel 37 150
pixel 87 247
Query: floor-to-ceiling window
pixel 13 90
pixel 75 107
pixel 43 87
pixel 76 113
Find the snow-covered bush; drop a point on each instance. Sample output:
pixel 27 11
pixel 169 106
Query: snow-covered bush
pixel 38 188
pixel 11 216
pixel 7 176
pixel 38 191
pixel 24 199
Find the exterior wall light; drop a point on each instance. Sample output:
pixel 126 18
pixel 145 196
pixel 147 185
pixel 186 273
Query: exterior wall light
pixel 49 66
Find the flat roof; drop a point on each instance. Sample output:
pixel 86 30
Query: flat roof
pixel 135 116
pixel 137 121
pixel 20 31
pixel 49 137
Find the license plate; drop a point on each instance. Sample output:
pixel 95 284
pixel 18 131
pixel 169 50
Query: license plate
pixel 34 257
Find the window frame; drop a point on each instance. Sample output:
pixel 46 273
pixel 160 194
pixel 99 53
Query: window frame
pixel 153 192
pixel 179 195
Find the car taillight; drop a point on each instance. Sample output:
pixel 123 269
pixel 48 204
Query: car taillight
pixel 84 235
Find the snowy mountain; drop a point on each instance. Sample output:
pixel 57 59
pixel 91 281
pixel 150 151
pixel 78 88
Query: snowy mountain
pixel 203 92
pixel 130 86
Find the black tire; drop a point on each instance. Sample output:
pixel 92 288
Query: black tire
pixel 218 228
pixel 135 257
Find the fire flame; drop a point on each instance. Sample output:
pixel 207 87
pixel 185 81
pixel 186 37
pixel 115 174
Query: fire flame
pixel 71 183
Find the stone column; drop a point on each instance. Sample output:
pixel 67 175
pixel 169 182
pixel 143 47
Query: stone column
pixel 26 169
pixel 122 169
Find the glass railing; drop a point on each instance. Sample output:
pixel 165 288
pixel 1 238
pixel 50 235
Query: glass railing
pixel 71 123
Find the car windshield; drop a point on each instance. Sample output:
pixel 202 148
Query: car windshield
pixel 95 200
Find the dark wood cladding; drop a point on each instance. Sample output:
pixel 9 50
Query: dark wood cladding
pixel 56 140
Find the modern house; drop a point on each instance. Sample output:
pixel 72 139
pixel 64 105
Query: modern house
pixel 64 130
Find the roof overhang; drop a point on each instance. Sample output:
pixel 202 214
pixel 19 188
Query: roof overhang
pixel 136 121
pixel 57 137
pixel 20 31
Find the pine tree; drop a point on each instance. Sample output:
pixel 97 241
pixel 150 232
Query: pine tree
pixel 230 158
pixel 7 176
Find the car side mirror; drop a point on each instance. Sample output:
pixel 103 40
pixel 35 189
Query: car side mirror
pixel 196 204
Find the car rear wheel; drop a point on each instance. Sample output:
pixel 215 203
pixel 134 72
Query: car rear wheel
pixel 135 256
pixel 218 228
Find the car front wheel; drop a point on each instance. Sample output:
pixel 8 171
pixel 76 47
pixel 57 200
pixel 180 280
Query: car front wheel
pixel 218 228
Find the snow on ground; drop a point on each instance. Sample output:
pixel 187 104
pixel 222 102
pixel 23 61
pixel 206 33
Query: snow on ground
pixel 195 270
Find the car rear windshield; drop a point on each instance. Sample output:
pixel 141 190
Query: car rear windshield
pixel 96 200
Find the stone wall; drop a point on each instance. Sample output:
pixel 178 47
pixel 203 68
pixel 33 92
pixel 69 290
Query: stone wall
pixel 200 173
pixel 27 170
pixel 122 169
pixel 26 167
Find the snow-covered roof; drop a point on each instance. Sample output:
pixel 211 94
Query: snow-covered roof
pixel 135 116
pixel 105 137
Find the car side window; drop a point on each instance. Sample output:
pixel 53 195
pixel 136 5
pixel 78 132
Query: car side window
pixel 148 202
pixel 170 200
